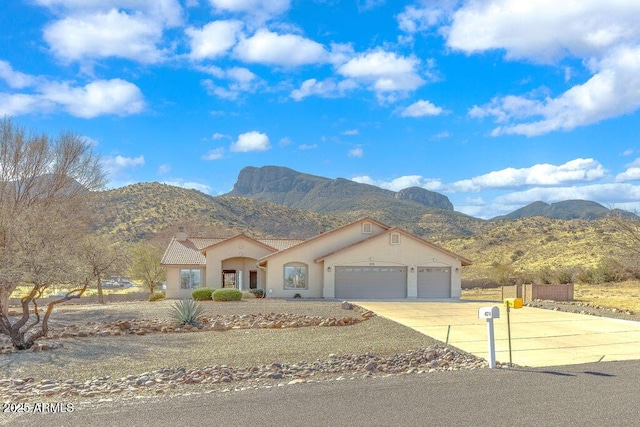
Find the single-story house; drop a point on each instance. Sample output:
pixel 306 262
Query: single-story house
pixel 365 259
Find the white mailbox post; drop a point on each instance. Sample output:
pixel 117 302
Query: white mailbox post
pixel 490 313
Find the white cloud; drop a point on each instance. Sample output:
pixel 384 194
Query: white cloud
pixel 326 89
pixel 631 174
pixel 604 35
pixel 290 50
pixel 220 136
pixel 351 132
pixel 215 154
pixel 204 188
pixel 602 193
pixel 402 182
pixel 259 9
pixel 285 141
pixel 19 104
pixel 115 165
pixel 545 30
pixel 421 109
pixel 416 18
pixel 97 98
pixel 442 135
pixel 308 147
pixel 164 169
pixel 167 12
pixel 578 170
pixel 105 34
pixel 385 72
pixel 239 80
pixel 214 39
pixel 251 141
pixel 357 152
pixel 613 91
pixel 15 79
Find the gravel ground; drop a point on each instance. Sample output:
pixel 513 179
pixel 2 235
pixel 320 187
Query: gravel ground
pixel 123 362
pixel 583 308
pixel 84 359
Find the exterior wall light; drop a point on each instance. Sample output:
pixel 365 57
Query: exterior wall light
pixel 413 269
pixel 329 269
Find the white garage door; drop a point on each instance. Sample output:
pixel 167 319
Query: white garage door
pixel 434 282
pixel 371 282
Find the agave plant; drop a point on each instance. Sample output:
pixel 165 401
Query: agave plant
pixel 186 312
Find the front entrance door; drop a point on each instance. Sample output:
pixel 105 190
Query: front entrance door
pixel 253 279
pixel 228 278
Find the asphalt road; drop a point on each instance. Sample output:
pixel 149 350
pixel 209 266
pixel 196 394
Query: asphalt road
pixel 582 395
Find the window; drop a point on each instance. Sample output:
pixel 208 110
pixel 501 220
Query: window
pixel 295 276
pixel 367 228
pixel 395 239
pixel 190 278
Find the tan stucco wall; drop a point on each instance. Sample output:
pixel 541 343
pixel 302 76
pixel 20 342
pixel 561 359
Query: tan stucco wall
pixel 236 254
pixel 410 253
pixel 306 253
pixel 173 281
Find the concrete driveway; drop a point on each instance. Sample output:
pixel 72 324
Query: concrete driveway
pixel 538 337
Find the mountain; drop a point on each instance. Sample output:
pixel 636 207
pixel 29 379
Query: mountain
pixel 310 192
pixel 420 211
pixel 279 202
pixel 569 209
pixel 153 211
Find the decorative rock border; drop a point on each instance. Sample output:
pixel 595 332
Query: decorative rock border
pixel 214 323
pixel 171 380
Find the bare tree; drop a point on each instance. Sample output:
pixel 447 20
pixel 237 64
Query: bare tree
pixel 145 265
pixel 45 212
pixel 626 227
pixel 102 258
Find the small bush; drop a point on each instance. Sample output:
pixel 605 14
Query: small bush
pixel 247 295
pixel 259 293
pixel 230 294
pixel 564 275
pixel 203 294
pixel 186 312
pixel 156 296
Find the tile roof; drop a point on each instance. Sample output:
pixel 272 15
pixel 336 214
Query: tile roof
pixel 188 252
pixel 183 252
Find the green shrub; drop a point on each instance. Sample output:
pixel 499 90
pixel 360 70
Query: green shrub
pixel 186 312
pixel 156 296
pixel 203 294
pixel 229 294
pixel 564 275
pixel 259 293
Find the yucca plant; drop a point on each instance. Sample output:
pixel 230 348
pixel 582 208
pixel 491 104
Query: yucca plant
pixel 186 312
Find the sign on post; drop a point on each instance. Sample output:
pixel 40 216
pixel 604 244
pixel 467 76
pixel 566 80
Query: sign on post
pixel 511 303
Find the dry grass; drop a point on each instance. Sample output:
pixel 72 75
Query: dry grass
pixel 117 356
pixel 623 296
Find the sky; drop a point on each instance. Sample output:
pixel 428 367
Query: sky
pixel 494 103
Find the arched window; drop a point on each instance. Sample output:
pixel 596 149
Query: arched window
pixel 295 276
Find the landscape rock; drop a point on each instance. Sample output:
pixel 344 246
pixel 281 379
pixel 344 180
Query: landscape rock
pixel 431 359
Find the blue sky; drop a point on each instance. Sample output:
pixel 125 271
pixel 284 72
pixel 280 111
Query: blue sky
pixel 495 103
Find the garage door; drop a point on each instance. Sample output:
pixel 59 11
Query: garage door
pixel 371 282
pixel 434 282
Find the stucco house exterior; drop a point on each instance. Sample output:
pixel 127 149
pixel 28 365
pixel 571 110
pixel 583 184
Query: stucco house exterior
pixel 365 259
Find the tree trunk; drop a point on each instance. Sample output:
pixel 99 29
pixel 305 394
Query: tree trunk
pixel 4 303
pixel 99 283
